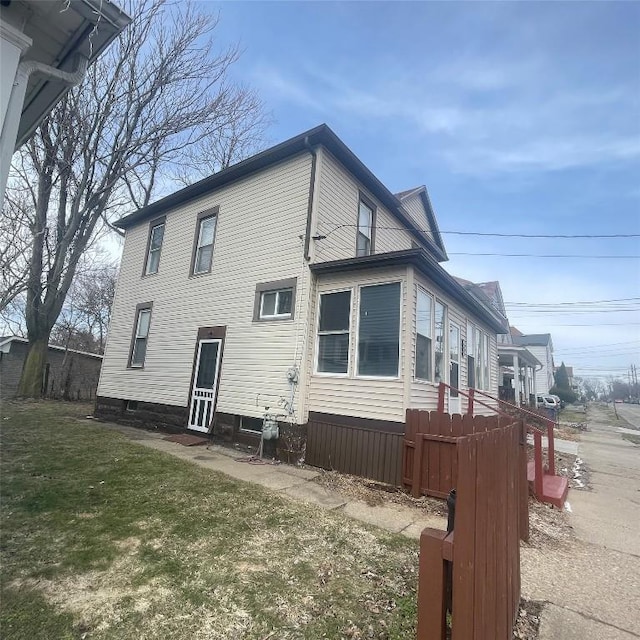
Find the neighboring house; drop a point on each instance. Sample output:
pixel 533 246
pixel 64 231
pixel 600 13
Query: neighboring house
pixel 541 346
pixel 517 365
pixel 45 48
pixel 294 280
pixel 69 374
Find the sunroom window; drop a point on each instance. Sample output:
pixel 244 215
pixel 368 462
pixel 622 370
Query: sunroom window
pixel 379 330
pixel 333 332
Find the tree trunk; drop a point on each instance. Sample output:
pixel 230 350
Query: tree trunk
pixel 33 370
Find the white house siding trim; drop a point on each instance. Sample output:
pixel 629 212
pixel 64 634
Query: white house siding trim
pixel 351 395
pixel 544 376
pixel 424 394
pixel 337 205
pixel 261 219
pixel 414 206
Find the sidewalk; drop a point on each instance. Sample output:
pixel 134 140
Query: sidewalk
pixel 593 587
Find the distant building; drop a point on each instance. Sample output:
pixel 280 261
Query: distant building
pixel 69 374
pixel 569 374
pixel 541 346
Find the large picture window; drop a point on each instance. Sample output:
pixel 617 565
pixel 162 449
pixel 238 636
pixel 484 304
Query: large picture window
pixel 333 332
pixel 379 330
pixel 424 318
pixel 478 361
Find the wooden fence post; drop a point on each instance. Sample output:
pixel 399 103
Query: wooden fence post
pixel 432 591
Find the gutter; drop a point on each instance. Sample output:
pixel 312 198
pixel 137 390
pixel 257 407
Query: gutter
pixel 312 185
pixel 16 101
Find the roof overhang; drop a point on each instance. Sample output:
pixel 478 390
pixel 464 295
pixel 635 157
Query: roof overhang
pixel 507 352
pixel 60 30
pixel 5 347
pixel 429 267
pixel 320 136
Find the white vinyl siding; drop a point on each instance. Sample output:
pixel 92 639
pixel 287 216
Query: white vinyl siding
pixel 415 209
pixel 256 356
pixel 338 198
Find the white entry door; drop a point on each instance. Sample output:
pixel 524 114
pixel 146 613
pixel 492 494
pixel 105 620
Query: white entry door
pixel 454 368
pixel 205 385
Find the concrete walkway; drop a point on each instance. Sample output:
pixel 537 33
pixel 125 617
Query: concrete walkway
pixel 592 587
pixel 294 482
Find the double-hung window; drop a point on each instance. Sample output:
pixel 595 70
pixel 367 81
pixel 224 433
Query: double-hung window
pixel 205 236
pixel 364 236
pixel 333 332
pixel 379 330
pixel 156 235
pixel 439 347
pixel 140 335
pixel 424 318
pixel 471 357
pixel 276 304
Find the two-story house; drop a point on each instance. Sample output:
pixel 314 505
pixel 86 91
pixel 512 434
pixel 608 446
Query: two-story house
pixel 293 280
pixel 541 346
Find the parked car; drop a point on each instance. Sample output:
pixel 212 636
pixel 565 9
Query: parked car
pixel 559 402
pixel 546 402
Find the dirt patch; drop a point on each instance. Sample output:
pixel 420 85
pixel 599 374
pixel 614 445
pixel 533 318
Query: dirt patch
pixel 528 621
pixel 377 494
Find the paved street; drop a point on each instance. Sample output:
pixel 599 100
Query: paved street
pixel 630 413
pixel 594 587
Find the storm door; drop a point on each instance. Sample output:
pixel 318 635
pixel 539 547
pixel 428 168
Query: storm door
pixel 205 385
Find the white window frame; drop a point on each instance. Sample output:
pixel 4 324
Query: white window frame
pixel 201 222
pixel 276 315
pixel 332 374
pixel 137 336
pixel 428 294
pixel 445 342
pixel 361 230
pixel 151 250
pixel 356 375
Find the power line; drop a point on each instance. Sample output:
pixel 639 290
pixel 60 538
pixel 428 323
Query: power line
pixel 605 344
pixel 491 234
pixel 554 304
pixel 596 324
pixel 543 255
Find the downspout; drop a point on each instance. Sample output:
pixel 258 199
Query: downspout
pixel 16 101
pixel 312 186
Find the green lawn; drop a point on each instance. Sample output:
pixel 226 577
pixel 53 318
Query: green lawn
pixel 102 538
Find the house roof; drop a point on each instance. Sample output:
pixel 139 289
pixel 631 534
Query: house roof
pixel 515 332
pixel 429 267
pixel 431 218
pixel 5 345
pixel 321 135
pixel 59 30
pixel 533 339
pixel 506 352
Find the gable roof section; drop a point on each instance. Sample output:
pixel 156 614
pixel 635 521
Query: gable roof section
pixel 321 135
pixel 428 266
pixel 430 218
pixel 533 340
pixel 5 346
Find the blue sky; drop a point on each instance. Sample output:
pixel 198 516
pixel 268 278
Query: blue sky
pixel 521 118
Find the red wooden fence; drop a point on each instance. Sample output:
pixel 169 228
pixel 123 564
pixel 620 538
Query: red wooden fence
pixel 484 547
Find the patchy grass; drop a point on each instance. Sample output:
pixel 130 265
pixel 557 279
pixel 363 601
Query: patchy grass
pixel 572 413
pixel 102 538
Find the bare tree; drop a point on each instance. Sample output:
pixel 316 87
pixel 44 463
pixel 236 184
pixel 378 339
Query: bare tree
pixel 85 316
pixel 108 146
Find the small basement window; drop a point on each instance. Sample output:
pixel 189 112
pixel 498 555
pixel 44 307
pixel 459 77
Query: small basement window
pixel 251 425
pixel 131 405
